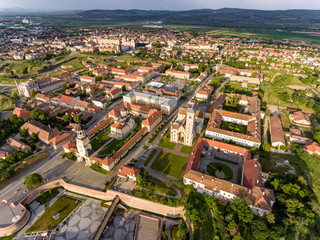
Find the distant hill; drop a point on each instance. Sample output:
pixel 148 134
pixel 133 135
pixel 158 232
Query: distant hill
pixel 225 17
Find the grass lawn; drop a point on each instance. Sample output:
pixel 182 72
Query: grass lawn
pixel 6 103
pixel 100 140
pixel 186 149
pixel 64 205
pixel 165 141
pixel 47 196
pixel 213 167
pixel 116 144
pixel 96 167
pixel 170 164
pixel 150 157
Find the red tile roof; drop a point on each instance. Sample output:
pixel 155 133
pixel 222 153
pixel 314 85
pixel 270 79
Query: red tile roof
pixel 125 171
pixel 21 112
pixel 66 99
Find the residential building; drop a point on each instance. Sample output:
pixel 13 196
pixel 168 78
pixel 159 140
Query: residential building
pixel 178 74
pixel 298 117
pixel 21 112
pixel 42 131
pixel 204 92
pixel 18 145
pixel 128 172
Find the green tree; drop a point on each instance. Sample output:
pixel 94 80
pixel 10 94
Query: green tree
pixel 8 173
pixel 15 94
pixel 65 86
pixel 270 218
pixel 180 184
pixel 23 132
pixel 169 184
pixel 182 230
pixel 266 147
pixel 67 118
pixel 77 119
pixel 33 93
pixel 33 180
pixel 164 235
pixel 34 137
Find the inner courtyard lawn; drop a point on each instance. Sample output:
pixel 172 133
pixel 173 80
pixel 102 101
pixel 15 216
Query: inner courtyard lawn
pixel 169 163
pixel 64 205
pixel 233 127
pixel 213 167
pixel 100 140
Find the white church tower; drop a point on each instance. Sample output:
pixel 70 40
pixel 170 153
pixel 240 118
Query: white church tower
pixel 189 136
pixel 83 145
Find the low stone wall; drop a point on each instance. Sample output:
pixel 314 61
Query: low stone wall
pixel 131 201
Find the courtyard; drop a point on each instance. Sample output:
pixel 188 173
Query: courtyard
pixel 217 166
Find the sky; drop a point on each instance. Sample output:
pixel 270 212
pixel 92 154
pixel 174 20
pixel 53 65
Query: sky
pixel 160 4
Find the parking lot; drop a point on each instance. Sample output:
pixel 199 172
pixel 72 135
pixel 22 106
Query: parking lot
pixel 123 185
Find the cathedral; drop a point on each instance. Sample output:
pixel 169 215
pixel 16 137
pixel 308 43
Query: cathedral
pixel 187 126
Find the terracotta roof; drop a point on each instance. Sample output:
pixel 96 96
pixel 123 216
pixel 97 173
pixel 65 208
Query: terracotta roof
pixel 152 118
pixel 40 130
pixel 312 147
pixel 196 151
pixel 276 130
pixel 21 112
pixel 100 125
pixel 108 160
pixel 125 171
pixel 66 99
pixel 252 174
pixel 55 141
pixel 18 144
pixel 118 125
pixel 259 196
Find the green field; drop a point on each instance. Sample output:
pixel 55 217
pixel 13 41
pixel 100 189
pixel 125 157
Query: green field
pixel 267 34
pixel 165 141
pixel 213 167
pixel 169 163
pixel 6 104
pixel 64 205
pixel 100 140
pixel 186 149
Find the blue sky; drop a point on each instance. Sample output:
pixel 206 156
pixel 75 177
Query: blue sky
pixel 160 4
